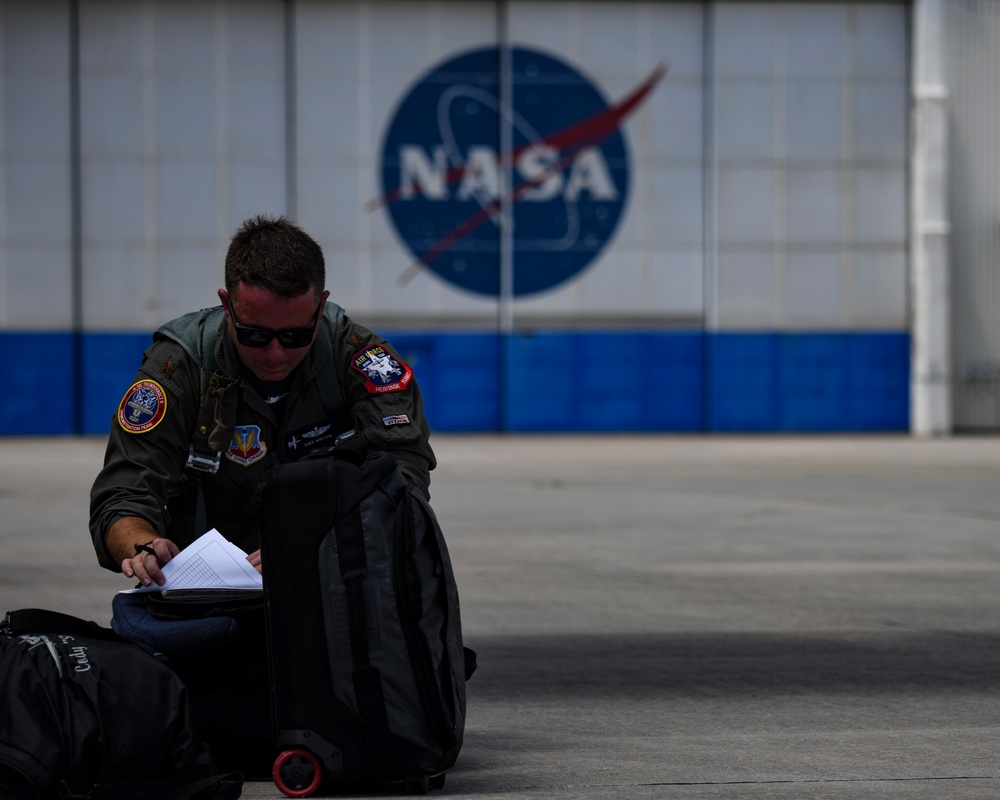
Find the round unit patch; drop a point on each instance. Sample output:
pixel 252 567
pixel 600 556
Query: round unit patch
pixel 143 407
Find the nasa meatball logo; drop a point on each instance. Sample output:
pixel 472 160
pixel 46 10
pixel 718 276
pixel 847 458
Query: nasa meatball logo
pixel 568 170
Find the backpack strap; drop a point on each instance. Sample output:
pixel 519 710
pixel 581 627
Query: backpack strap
pixel 39 620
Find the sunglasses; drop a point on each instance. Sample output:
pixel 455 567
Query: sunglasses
pixel 289 338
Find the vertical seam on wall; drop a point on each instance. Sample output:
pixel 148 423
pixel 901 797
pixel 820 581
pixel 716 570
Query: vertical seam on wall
pixel 291 131
pixel 710 250
pixel 505 262
pixel 76 220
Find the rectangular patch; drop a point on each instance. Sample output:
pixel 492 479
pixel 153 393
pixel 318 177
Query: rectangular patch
pixel 396 419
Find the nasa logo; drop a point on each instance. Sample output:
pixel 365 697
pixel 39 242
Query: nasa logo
pixel 569 170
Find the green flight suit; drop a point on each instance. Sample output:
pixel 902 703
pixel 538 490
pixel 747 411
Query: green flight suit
pixel 192 397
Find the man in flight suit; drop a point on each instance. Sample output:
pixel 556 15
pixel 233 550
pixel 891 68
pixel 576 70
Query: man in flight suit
pixel 268 376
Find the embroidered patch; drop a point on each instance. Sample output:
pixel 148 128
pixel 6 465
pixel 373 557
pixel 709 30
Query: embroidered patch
pixel 143 407
pixel 246 446
pixel 382 372
pixel 396 419
pixel 168 367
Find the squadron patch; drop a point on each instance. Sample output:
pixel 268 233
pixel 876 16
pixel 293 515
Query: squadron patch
pixel 246 446
pixel 383 373
pixel 143 407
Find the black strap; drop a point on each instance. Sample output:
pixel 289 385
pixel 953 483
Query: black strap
pixel 368 692
pixel 39 620
pixel 173 790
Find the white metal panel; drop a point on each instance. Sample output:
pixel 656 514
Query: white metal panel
pixel 880 203
pixel 745 40
pixel 747 203
pixel 748 288
pixel 35 213
pixel 878 281
pixel 810 146
pixel 973 64
pixel 816 43
pixel 814 121
pixel 813 207
pixel 182 137
pixel 813 289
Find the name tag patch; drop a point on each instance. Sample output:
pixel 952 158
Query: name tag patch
pixel 143 407
pixel 301 440
pixel 382 372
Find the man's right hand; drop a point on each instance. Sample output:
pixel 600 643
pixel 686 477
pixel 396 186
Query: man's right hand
pixel 145 566
pixel 130 540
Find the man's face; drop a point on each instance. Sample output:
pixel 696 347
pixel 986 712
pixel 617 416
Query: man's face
pixel 257 308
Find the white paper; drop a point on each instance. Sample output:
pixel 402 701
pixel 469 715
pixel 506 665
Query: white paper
pixel 210 562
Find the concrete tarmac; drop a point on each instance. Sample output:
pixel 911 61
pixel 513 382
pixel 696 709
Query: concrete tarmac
pixel 670 617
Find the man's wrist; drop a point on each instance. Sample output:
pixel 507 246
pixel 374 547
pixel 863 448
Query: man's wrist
pixel 127 533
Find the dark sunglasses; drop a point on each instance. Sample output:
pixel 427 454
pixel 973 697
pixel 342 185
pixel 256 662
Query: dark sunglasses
pixel 260 337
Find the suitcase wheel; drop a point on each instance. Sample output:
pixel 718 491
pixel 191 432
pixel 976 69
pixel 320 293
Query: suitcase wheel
pixel 297 773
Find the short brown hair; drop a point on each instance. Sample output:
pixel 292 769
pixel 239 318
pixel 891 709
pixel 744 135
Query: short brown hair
pixel 276 254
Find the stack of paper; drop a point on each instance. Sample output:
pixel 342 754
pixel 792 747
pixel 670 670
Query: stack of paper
pixel 210 562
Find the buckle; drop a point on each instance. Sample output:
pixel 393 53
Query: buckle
pixel 202 463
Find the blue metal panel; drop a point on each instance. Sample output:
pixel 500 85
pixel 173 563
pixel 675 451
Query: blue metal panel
pixel 38 384
pixel 743 389
pixel 879 388
pixel 813 373
pixel 540 389
pixel 675 389
pixel 610 381
pixel 542 382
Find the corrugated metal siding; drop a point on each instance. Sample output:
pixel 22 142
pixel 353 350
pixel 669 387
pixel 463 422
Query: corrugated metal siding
pixel 973 64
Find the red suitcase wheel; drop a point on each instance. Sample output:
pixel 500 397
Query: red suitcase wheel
pixel 297 773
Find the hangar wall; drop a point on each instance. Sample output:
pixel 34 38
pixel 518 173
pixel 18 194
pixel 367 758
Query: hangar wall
pixel 698 221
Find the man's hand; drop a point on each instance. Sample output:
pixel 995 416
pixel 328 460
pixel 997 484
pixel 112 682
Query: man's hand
pixel 254 559
pixel 145 565
pixel 141 553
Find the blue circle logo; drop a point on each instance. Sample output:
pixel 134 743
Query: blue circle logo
pixel 567 174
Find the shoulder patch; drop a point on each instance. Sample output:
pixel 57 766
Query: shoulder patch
pixel 143 407
pixel 382 372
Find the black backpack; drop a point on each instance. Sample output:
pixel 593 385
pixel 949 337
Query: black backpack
pixel 364 625
pixel 87 714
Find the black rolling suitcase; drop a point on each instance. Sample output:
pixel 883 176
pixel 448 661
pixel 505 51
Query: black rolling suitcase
pixel 365 646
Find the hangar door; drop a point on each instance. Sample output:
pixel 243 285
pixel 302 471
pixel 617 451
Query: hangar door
pixel 569 215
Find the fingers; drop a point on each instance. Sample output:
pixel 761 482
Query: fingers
pixel 254 559
pixel 144 566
